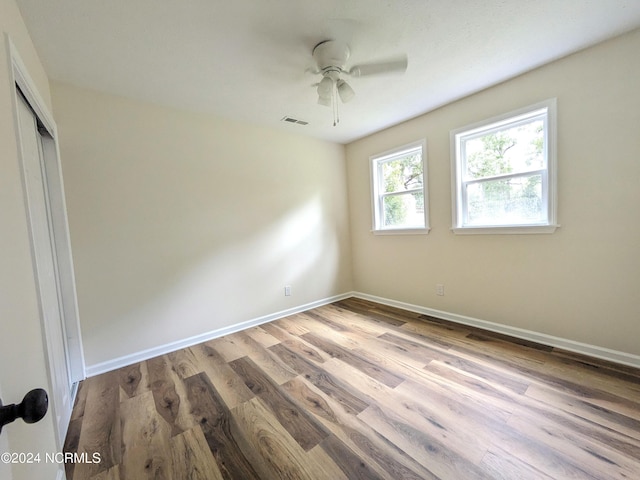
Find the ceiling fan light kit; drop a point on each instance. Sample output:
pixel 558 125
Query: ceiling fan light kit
pixel 345 91
pixel 331 57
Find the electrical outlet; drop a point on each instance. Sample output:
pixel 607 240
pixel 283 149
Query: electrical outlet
pixel 440 289
pixel 287 290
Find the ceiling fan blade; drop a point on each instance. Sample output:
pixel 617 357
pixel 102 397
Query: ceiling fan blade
pixel 397 65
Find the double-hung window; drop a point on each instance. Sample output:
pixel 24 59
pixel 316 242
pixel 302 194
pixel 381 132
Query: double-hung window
pixel 399 187
pixel 503 173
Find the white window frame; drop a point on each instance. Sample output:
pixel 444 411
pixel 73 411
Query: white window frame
pixel 375 163
pixel 546 108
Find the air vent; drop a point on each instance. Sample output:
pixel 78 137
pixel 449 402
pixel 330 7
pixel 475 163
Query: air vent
pixel 294 120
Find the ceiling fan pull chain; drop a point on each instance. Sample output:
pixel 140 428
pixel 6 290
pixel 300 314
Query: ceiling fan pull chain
pixel 334 100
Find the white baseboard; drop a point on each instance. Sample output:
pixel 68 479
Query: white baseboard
pixel 549 340
pixel 552 341
pixel 119 362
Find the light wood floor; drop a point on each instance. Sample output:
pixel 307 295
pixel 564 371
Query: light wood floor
pixel 356 390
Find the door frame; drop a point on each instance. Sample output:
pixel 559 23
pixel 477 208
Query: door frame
pixel 59 221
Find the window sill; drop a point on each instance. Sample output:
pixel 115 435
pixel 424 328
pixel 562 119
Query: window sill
pixel 402 231
pixel 507 230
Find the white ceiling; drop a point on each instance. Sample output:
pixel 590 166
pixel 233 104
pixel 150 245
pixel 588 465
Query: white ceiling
pixel 246 59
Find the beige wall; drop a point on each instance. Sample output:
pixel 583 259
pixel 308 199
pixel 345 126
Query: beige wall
pixel 580 283
pixel 22 361
pixel 182 224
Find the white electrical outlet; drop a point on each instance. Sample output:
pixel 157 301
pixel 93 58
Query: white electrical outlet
pixel 440 289
pixel 287 290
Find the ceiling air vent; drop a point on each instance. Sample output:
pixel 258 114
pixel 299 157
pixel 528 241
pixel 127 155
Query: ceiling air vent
pixel 294 120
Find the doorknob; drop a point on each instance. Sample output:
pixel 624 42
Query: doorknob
pixel 32 409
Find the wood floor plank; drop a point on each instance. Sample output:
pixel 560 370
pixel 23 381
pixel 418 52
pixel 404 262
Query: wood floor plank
pixel 289 324
pixel 434 455
pixel 191 457
pixel 261 336
pixel 374 312
pixel 130 378
pixel 145 436
pixel 227 347
pixel 578 444
pixel 487 372
pixel 165 396
pixel 351 322
pixel 330 470
pixel 410 349
pixel 389 461
pixel 227 383
pixel 571 385
pixel 216 423
pixel 356 389
pixel 185 362
pixel 100 432
pixel 503 466
pixel 348 461
pixel 112 474
pixel 360 362
pixel 537 455
pixel 370 347
pixel 274 452
pixel 583 408
pixel 80 400
pixel 622 386
pixel 476 389
pixel 351 400
pixel 464 431
pixel 367 387
pixel 72 442
pixel 298 345
pixel 270 364
pixel 301 426
pixel 613 370
pixel 496 404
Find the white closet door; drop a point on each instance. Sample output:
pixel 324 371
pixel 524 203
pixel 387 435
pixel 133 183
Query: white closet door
pixel 45 267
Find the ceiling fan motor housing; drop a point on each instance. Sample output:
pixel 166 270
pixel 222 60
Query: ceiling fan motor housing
pixel 331 56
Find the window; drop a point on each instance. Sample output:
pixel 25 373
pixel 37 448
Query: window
pixel 503 171
pixel 399 186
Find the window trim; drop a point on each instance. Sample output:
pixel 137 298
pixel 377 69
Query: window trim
pixel 376 196
pixel 549 182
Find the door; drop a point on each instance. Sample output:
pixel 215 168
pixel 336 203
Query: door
pixel 45 264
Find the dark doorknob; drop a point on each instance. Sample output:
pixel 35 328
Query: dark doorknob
pixel 32 409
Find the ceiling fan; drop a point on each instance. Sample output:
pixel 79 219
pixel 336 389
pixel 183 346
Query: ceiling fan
pixel 331 58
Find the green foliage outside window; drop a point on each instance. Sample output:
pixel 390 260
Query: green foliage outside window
pixel 504 152
pixel 399 176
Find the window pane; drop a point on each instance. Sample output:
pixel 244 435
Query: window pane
pixel 506 202
pixel 402 174
pixel 511 150
pixel 403 210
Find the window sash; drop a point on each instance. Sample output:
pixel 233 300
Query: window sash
pixel 540 115
pixel 511 122
pixel 383 218
pixel 544 111
pixel 544 207
pixel 505 176
pixel 384 160
pixel 377 163
pixel 401 192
